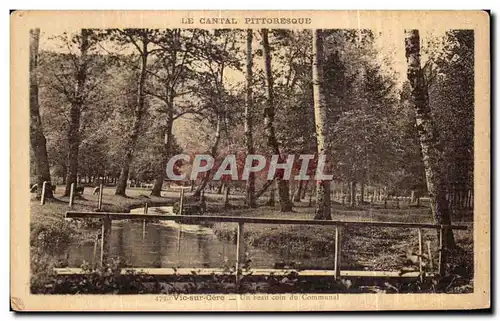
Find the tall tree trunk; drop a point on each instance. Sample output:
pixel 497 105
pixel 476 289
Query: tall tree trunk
pixel 134 133
pixel 37 138
pixel 250 184
pixel 323 203
pixel 75 113
pixel 166 134
pixel 283 190
pixel 429 140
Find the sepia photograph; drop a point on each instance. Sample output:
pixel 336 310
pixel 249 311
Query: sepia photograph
pixel 264 160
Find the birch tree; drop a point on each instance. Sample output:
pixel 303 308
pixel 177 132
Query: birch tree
pixel 428 136
pixel 323 211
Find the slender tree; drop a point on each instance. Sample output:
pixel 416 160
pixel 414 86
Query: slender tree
pixel 216 56
pixel 174 60
pixel 37 138
pixel 283 190
pixel 140 39
pixel 250 184
pixel 77 100
pixel 428 136
pixel 323 205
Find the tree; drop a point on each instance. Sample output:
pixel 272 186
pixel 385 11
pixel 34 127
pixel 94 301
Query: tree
pixel 451 92
pixel 37 137
pixel 429 140
pixel 76 100
pixel 283 190
pixel 174 60
pixel 139 39
pixel 250 185
pixel 74 77
pixel 217 52
pixel 323 187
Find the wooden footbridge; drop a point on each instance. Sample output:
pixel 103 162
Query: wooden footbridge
pixel 336 273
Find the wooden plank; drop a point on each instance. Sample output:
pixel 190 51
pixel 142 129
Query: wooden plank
pixel 105 241
pixel 240 251
pixel 255 272
pixel 252 220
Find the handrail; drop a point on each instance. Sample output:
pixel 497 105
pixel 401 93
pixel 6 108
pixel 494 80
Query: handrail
pixel 254 220
pixel 108 217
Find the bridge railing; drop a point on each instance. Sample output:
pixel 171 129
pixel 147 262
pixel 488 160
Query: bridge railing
pixel 108 217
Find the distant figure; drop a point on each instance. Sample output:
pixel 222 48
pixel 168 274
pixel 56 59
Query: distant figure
pixel 96 190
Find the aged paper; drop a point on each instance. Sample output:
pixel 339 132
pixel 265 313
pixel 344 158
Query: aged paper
pixel 114 95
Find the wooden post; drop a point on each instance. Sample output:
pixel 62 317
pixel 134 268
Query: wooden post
pixel 42 197
pixel 144 221
pixel 179 232
pixel 72 195
pixel 105 241
pixel 99 202
pixel 181 201
pixel 420 252
pixel 429 254
pixel 442 261
pixel 94 254
pixel 338 248
pixel 240 252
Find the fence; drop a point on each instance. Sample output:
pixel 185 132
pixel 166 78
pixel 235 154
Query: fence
pixel 107 219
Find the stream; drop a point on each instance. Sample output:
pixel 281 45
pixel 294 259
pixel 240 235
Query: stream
pixel 158 247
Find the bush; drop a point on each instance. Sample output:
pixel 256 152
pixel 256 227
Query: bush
pixel 48 245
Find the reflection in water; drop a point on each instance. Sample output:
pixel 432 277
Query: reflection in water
pixel 199 247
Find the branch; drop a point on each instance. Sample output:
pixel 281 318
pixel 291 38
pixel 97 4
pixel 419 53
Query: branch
pixel 162 98
pixel 132 40
pixel 62 89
